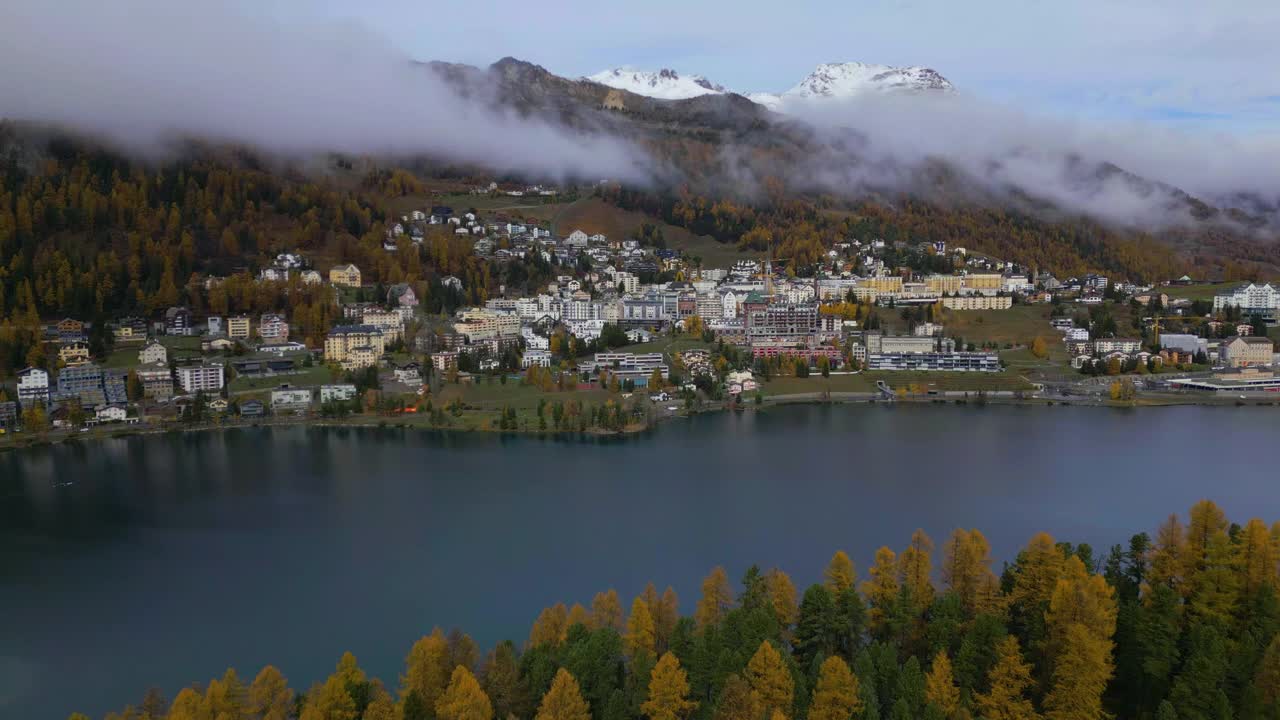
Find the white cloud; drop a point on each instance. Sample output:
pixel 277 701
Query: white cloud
pixel 143 70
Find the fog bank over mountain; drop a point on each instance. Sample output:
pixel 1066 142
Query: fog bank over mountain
pixel 1136 173
pixel 144 72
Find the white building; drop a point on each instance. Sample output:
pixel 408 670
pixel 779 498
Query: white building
pixel 111 413
pixel 533 340
pixel 290 399
pixel 729 304
pixel 273 328
pixel 337 393
pixel 1124 345
pixel 33 386
pixel 1261 299
pixel 531 357
pixel 200 378
pixel 153 353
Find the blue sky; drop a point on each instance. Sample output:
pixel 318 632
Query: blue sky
pixel 1173 61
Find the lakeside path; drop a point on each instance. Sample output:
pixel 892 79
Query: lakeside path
pixel 419 422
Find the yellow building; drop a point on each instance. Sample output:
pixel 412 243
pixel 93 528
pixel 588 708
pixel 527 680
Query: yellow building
pixel 239 327
pixel 944 284
pixel 74 354
pixel 1246 351
pixel 883 285
pixel 481 324
pixel 348 275
pixel 864 294
pixel 983 282
pixel 125 334
pixel 978 302
pixel 354 346
pixel 390 322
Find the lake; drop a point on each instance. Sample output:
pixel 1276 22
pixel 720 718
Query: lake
pixel 162 560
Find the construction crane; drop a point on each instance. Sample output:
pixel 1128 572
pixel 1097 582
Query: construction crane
pixel 1155 324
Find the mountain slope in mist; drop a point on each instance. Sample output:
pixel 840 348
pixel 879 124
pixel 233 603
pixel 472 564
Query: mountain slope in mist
pixel 935 146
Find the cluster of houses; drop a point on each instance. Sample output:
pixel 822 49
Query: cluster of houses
pixel 640 289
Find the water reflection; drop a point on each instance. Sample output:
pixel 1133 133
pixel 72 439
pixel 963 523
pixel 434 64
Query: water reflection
pixel 164 559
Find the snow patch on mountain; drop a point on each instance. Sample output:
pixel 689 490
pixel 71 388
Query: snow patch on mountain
pixel 773 101
pixel 830 81
pixel 845 80
pixel 664 84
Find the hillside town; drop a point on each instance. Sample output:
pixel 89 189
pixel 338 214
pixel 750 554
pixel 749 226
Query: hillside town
pixel 643 325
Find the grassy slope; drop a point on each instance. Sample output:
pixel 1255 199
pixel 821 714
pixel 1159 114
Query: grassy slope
pixel 592 215
pixel 1197 292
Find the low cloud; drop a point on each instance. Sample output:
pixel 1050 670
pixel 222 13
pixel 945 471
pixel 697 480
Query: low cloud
pixel 1000 149
pixel 144 72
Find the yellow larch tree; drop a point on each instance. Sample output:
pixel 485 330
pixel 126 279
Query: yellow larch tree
pixel 666 617
pixel 1167 552
pixel 1206 527
pixel 226 697
pixel 770 679
pixel 738 701
pixel 651 598
pixel 665 610
pixel 563 700
pixel 882 588
pixel 1256 558
pixel 1267 680
pixel 1081 622
pixel 717 598
pixel 381 706
pixel 578 616
pixel 835 696
pixel 782 596
pixel 1008 680
pixel 426 669
pixel 966 570
pixel 915 566
pixel 330 701
pixel 839 575
pixel 348 669
pixel 940 686
pixel 1039 568
pixel 606 611
pixel 551 627
pixel 1211 581
pixel 640 634
pixel 668 691
pixel 269 695
pixel 188 705
pixel 1081 670
pixel 463 699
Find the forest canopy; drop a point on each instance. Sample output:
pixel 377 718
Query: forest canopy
pixel 1180 624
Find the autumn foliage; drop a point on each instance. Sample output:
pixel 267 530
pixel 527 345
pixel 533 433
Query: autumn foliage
pixel 1184 624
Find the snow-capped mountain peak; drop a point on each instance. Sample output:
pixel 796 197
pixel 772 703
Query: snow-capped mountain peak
pixel 664 84
pixel 842 80
pixel 836 81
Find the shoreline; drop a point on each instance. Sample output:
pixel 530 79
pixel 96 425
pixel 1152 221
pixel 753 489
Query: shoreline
pixel 13 443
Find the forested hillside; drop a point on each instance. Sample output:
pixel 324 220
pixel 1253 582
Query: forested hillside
pixel 802 229
pixel 1180 625
pixel 94 235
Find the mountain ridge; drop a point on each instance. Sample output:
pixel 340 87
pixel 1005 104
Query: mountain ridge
pixel 841 81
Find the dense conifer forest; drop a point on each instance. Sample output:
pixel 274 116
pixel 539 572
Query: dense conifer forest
pixel 1180 624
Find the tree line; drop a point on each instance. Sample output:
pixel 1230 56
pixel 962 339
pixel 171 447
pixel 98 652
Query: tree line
pixel 1183 624
pixel 799 230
